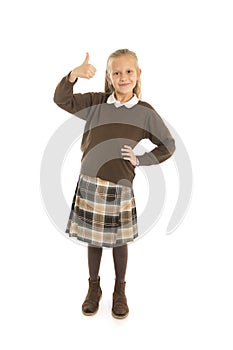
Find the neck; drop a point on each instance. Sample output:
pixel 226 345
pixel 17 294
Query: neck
pixel 123 98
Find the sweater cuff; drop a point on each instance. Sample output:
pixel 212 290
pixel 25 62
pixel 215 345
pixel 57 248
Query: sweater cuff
pixel 147 159
pixel 67 79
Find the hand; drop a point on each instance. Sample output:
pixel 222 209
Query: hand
pixel 128 154
pixel 86 70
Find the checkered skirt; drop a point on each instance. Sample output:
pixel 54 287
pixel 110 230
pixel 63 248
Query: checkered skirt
pixel 103 214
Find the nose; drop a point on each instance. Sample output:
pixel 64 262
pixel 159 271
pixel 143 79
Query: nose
pixel 123 77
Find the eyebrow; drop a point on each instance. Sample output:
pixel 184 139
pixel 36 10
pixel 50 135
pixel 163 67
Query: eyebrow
pixel 119 70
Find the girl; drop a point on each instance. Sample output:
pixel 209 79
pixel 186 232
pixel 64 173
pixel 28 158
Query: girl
pixel 103 212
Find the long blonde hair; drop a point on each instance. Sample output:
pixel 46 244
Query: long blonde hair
pixel 108 86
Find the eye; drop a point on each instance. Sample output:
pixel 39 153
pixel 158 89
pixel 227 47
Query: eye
pixel 116 73
pixel 129 71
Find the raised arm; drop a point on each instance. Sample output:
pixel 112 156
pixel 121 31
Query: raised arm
pixel 64 96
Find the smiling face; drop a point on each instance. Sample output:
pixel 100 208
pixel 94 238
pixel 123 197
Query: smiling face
pixel 123 74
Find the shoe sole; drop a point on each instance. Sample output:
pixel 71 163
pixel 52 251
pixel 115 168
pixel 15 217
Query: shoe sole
pixel 90 313
pixel 119 317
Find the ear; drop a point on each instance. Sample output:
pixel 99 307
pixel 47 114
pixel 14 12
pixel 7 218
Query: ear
pixel 139 73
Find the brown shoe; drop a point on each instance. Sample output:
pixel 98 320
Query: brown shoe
pixel 119 308
pixel 91 303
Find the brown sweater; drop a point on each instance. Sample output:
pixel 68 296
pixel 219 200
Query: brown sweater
pixel 108 129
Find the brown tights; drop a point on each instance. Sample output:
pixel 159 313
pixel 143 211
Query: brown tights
pixel 120 258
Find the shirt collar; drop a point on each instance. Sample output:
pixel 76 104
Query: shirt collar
pixel 129 104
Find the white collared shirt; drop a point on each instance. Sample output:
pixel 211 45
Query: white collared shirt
pixel 129 104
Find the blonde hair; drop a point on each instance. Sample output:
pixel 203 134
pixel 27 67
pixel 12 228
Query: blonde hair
pixel 108 86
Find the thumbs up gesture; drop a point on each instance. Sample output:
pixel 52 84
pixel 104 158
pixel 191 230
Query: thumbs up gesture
pixel 85 70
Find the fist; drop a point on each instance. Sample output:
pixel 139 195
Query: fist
pixel 85 70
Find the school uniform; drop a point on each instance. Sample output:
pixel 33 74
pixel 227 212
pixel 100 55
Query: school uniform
pixel 103 211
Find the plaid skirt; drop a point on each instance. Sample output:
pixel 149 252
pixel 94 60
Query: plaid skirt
pixel 103 214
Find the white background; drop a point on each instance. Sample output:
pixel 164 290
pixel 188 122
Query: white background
pixel 179 287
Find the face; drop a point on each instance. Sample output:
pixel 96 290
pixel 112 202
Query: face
pixel 123 75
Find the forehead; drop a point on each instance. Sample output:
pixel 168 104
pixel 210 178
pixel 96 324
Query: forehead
pixel 124 61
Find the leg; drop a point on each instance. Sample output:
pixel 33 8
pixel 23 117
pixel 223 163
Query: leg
pixel 94 259
pixel 91 303
pixel 120 257
pixel 120 308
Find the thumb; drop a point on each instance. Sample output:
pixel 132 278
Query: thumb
pixel 87 58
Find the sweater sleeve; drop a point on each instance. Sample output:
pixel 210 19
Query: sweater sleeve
pixel 157 132
pixel 70 102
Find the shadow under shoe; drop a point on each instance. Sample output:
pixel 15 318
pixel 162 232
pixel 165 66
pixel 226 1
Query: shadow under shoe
pixel 119 308
pixel 91 303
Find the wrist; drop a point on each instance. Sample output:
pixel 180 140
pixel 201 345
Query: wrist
pixel 73 77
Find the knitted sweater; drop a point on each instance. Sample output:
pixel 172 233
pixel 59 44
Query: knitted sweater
pixel 108 129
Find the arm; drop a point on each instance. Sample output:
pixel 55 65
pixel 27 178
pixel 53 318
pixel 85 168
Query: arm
pixel 64 96
pixel 159 134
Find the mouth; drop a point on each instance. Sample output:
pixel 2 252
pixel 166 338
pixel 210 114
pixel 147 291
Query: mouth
pixel 125 84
